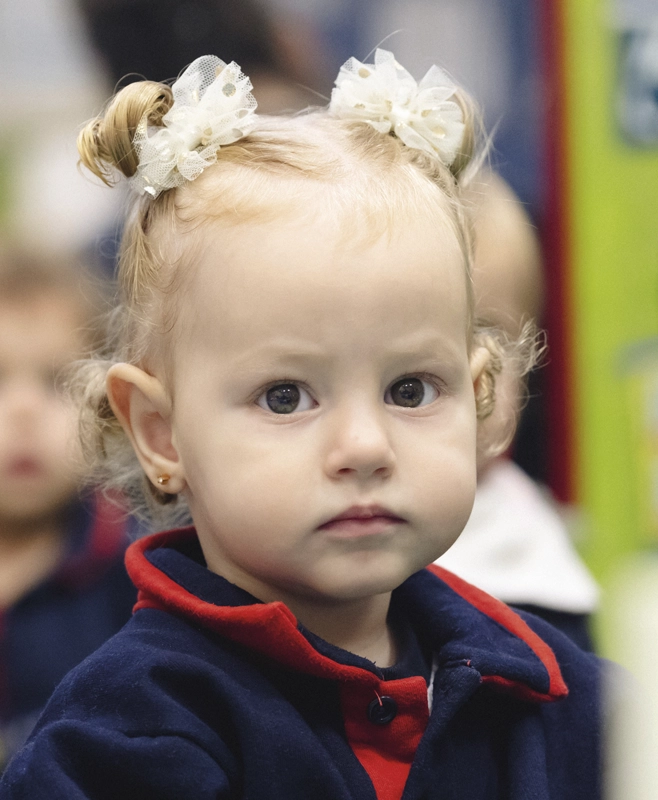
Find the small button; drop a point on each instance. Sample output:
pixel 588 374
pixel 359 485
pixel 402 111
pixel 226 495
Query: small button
pixel 382 710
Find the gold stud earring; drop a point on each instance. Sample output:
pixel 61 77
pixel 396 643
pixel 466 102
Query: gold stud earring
pixel 163 479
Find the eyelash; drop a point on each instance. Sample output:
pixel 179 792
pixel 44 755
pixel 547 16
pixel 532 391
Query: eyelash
pixel 437 383
pixel 281 382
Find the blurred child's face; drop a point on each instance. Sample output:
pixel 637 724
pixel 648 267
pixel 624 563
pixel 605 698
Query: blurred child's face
pixel 38 336
pixel 323 407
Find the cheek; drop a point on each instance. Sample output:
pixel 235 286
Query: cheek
pixel 244 474
pixel 61 432
pixel 445 465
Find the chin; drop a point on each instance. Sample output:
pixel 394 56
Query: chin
pixel 364 586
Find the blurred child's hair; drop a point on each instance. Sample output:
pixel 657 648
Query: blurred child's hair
pixel 507 268
pixel 508 292
pixel 356 174
pixel 27 274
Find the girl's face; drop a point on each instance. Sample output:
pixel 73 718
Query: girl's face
pixel 323 414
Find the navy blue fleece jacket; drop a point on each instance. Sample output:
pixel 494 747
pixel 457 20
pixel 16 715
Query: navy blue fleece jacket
pixel 208 693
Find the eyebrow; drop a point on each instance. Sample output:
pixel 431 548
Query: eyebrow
pixel 426 348
pixel 280 350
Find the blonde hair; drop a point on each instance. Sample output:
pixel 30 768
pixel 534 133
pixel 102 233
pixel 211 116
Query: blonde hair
pixel 355 165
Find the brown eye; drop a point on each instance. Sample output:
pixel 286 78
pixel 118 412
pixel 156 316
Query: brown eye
pixel 284 398
pixel 411 393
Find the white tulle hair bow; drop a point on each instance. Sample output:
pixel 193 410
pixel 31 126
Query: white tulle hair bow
pixel 386 96
pixel 213 106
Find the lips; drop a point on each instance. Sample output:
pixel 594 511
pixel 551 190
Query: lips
pixel 361 521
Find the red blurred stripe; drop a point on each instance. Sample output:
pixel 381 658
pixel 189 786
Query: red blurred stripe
pixel 561 443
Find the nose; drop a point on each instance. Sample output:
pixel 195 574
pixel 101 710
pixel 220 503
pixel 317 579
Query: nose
pixel 24 401
pixel 360 445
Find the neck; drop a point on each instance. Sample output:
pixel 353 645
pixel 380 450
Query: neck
pixel 358 626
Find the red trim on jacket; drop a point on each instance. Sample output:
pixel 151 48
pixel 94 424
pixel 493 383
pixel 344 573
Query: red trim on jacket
pixel 268 628
pixel 271 628
pixel 505 616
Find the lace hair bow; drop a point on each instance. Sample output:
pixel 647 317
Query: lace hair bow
pixel 387 97
pixel 213 107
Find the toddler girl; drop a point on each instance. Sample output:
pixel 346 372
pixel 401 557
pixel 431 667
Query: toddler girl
pixel 298 365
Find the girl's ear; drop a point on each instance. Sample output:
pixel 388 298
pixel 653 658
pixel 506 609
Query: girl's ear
pixel 142 406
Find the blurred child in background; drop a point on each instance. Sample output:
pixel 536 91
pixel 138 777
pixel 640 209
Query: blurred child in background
pixel 63 586
pixel 516 545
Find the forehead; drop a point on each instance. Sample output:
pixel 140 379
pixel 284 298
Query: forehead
pixel 40 329
pixel 302 280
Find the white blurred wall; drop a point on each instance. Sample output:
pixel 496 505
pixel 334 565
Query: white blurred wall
pixel 50 84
